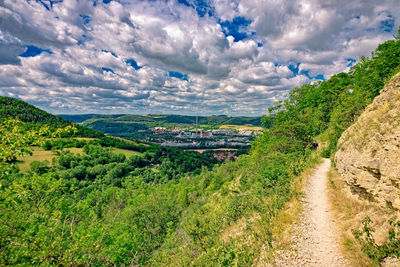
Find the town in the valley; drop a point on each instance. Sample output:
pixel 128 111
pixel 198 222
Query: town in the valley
pixel 196 138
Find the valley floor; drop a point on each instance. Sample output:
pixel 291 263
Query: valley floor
pixel 314 237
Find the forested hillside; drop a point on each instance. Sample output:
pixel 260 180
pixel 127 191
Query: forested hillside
pixel 15 108
pixel 139 126
pixel 35 117
pixel 173 119
pixel 330 107
pixel 96 208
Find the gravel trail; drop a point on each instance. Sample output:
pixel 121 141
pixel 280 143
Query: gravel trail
pixel 314 236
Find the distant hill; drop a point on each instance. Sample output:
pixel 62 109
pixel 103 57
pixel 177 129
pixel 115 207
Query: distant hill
pixel 15 108
pixel 138 126
pixel 115 128
pixel 168 118
pixel 23 111
pixel 83 117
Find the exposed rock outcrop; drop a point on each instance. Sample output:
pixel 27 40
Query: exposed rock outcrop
pixel 369 151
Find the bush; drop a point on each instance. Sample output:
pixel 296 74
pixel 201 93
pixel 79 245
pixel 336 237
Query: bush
pixel 39 167
pixel 390 248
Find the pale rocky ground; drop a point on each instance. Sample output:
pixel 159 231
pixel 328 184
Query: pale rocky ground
pixel 314 238
pixel 368 158
pixel 369 162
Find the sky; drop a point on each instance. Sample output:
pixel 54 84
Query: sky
pixel 204 57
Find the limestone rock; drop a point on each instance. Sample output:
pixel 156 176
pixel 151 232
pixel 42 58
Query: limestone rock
pixel 369 151
pixel 391 262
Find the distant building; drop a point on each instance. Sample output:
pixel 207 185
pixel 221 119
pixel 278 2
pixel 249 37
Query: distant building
pixel 225 155
pixel 159 130
pixel 248 132
pixel 245 132
pixel 206 135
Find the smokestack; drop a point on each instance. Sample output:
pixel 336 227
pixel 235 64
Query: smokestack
pixel 196 125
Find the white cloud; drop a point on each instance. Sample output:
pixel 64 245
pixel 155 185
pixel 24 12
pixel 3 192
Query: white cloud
pixel 87 69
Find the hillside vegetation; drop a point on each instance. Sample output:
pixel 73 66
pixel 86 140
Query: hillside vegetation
pixel 165 119
pixel 138 126
pixel 97 209
pixel 11 108
pixel 15 108
pixel 331 106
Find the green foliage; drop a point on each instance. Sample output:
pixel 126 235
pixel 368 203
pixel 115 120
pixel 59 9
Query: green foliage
pixel 115 128
pixel 168 119
pixel 39 167
pixel 390 248
pixel 14 108
pixel 128 126
pixel 94 207
pixel 101 208
pixel 334 104
pixel 16 136
pixel 11 108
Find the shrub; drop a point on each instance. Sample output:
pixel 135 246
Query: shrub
pixel 390 248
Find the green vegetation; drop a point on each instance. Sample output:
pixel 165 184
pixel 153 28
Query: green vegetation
pixel 122 129
pixel 168 119
pixel 11 108
pixel 378 252
pixel 97 194
pixel 36 154
pixel 40 154
pixel 125 152
pixel 331 106
pixel 14 108
pixel 138 126
pixel 168 206
pixel 108 209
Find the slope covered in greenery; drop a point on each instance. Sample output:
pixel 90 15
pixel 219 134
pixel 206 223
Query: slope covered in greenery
pixel 330 107
pixel 138 126
pixel 73 214
pixel 170 121
pixel 15 108
pixel 161 118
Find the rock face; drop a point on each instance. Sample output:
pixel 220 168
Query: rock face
pixel 369 151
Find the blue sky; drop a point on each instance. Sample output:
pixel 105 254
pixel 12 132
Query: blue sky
pixel 234 57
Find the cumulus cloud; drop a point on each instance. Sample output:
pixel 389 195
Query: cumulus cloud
pixel 232 57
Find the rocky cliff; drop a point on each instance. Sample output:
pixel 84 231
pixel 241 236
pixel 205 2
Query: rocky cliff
pixel 369 151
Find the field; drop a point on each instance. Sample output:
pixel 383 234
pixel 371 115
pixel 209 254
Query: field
pixel 240 127
pixel 84 138
pixel 126 152
pixel 39 154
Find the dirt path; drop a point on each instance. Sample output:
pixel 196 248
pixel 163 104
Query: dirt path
pixel 314 237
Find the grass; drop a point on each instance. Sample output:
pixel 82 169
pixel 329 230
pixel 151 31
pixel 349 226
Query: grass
pixel 128 141
pixel 85 138
pixel 284 222
pixel 155 116
pixel 349 211
pixel 126 152
pixel 239 127
pixel 39 154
